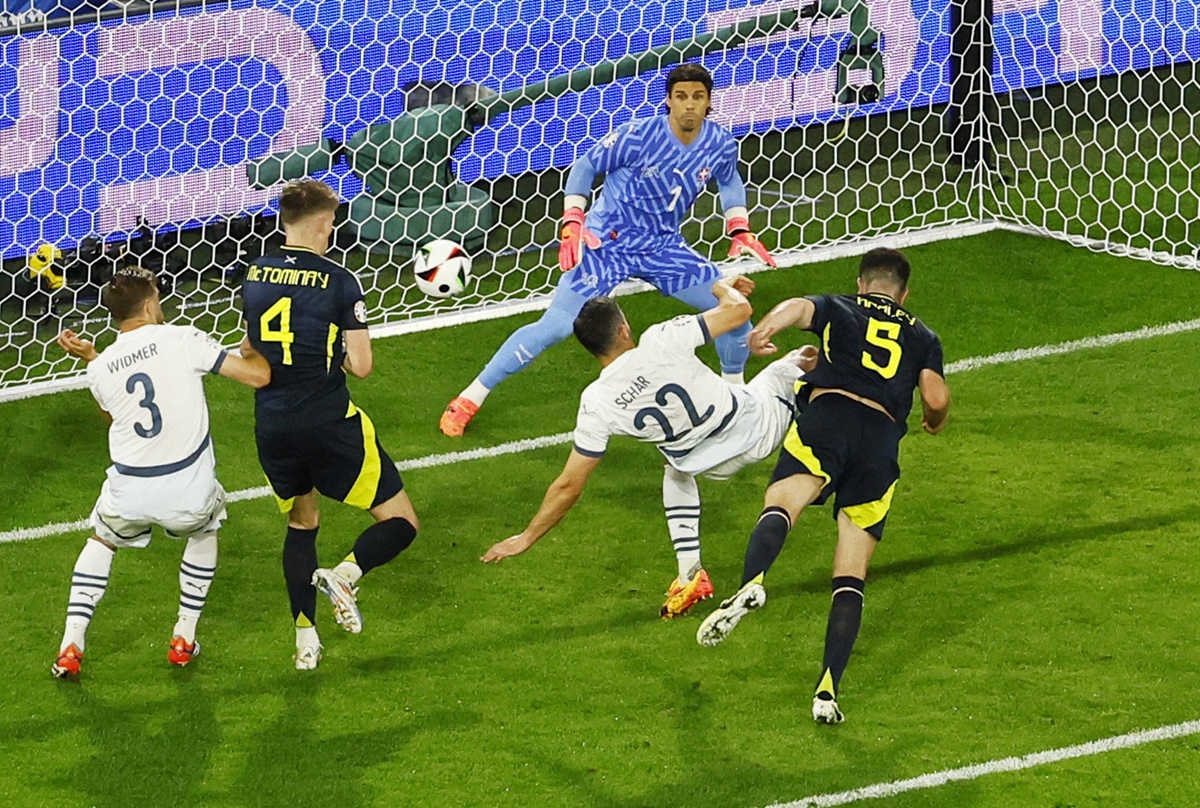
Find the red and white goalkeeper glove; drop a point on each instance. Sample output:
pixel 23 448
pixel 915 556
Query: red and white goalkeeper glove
pixel 743 242
pixel 574 237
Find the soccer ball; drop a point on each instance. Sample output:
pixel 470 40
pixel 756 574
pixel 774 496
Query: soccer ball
pixel 442 268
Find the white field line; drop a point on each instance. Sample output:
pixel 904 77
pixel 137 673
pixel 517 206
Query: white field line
pixel 1008 764
pixel 529 444
pixel 261 492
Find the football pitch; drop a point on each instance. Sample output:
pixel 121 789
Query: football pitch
pixel 1034 590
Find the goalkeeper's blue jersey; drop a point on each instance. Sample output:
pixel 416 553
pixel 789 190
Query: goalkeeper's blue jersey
pixel 652 180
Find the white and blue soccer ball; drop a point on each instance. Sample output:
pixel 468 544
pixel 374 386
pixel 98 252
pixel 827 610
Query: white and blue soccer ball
pixel 442 268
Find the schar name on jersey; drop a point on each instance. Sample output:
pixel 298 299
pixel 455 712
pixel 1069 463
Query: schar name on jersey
pixel 140 355
pixel 630 394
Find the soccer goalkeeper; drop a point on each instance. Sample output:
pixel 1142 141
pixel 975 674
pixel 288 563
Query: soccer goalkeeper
pixel 654 169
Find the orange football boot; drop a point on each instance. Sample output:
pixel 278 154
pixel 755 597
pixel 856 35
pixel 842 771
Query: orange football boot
pixel 67 664
pixel 681 597
pixel 182 652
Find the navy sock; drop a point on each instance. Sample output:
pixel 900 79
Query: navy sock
pixel 766 541
pixel 299 564
pixel 845 617
pixel 382 542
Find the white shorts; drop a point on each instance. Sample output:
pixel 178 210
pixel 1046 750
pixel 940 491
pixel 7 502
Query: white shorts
pixel 767 408
pixel 181 504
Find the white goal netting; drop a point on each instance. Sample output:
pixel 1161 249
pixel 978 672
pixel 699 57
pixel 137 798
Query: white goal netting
pixel 158 134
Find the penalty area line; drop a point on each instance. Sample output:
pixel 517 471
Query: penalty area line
pixel 1008 764
pixel 530 444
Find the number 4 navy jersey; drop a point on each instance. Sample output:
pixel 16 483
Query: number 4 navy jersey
pixel 872 347
pixel 297 304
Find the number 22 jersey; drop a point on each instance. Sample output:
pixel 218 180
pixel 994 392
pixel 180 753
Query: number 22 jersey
pixel 661 393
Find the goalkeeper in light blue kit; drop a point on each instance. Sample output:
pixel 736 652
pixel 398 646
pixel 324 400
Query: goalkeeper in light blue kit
pixel 654 169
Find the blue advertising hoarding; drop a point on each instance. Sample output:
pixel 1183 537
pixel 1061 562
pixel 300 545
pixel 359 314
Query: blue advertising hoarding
pixel 156 115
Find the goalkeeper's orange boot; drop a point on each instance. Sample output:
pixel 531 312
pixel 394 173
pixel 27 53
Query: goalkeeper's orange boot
pixel 182 652
pixel 458 414
pixel 67 664
pixel 681 597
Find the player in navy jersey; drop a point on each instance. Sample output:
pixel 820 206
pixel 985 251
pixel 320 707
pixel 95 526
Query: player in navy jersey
pixel 307 316
pixel 853 409
pixel 654 169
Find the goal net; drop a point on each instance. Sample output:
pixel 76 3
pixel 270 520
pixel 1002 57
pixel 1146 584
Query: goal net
pixel 159 135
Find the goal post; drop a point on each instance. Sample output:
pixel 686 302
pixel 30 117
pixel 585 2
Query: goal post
pixel 161 137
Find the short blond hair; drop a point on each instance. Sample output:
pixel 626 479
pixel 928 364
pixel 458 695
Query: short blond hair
pixel 303 198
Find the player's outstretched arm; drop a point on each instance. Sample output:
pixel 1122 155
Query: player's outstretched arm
pixel 560 497
pixel 798 311
pixel 732 307
pixel 251 368
pixel 80 348
pixel 76 346
pixel 360 359
pixel 935 401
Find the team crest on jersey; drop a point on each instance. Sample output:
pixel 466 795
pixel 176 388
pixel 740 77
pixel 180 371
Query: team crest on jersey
pixel 360 311
pixel 704 175
pixel 650 172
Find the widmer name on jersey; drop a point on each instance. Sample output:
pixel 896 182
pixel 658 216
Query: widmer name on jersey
pixel 140 355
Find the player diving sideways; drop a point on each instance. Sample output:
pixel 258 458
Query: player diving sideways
pixel 654 169
pixel 660 393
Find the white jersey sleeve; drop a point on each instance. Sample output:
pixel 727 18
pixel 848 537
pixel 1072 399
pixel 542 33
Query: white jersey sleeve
pixel 203 352
pixel 591 432
pixel 678 337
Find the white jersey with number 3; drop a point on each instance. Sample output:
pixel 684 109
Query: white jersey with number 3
pixel 661 393
pixel 151 382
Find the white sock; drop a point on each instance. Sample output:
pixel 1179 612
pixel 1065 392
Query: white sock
pixel 476 393
pixel 734 378
pixel 350 571
pixel 307 637
pixel 89 580
pixel 681 502
pixel 196 572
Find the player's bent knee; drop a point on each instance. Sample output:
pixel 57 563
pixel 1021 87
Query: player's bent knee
pixel 397 507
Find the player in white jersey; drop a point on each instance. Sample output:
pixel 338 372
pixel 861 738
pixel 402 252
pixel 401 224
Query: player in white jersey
pixel 149 386
pixel 659 392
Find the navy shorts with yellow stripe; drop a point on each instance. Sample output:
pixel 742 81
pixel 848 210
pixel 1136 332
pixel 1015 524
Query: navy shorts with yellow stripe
pixel 343 460
pixel 854 448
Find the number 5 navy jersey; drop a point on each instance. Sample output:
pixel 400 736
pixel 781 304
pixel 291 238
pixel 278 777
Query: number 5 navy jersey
pixel 297 304
pixel 873 348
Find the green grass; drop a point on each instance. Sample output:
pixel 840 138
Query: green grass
pixel 1031 593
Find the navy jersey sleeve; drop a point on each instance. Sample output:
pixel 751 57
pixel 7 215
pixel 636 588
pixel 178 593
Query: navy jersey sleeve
pixel 620 147
pixel 352 314
pixel 933 356
pixel 821 315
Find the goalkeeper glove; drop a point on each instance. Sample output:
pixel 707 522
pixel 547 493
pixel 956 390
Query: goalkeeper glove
pixel 575 236
pixel 743 242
